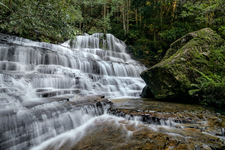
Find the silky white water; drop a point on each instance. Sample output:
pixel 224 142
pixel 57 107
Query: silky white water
pixel 37 78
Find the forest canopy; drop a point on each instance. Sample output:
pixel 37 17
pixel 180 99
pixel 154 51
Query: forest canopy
pixel 148 26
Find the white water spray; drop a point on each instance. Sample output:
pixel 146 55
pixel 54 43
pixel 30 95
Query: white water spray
pixel 36 77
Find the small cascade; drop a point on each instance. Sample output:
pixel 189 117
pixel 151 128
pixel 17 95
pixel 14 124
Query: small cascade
pixel 37 79
pixel 23 128
pixel 93 65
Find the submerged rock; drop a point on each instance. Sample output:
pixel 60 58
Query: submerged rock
pixel 173 76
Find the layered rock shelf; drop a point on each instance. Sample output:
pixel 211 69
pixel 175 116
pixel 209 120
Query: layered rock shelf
pixel 182 126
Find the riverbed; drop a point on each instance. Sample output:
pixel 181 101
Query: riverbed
pixel 146 124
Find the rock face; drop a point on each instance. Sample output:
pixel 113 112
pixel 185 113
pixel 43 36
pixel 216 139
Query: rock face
pixel 146 92
pixel 173 76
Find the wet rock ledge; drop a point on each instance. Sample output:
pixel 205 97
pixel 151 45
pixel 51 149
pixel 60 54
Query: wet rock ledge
pixel 177 126
pixel 160 125
pixel 98 100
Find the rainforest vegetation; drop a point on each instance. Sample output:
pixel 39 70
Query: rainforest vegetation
pixel 147 26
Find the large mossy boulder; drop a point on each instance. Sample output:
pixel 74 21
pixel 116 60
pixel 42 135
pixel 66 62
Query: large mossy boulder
pixel 180 67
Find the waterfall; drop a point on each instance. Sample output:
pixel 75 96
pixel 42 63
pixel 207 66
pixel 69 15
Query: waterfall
pixel 93 65
pixel 36 78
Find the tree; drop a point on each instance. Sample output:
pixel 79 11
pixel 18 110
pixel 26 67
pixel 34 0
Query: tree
pixel 49 19
pixel 207 13
pixel 150 26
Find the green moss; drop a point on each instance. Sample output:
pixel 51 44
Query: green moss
pixel 174 75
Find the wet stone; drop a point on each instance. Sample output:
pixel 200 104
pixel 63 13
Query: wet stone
pixel 223 131
pixel 193 121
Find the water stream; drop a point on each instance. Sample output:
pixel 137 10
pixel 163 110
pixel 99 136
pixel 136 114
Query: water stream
pixel 37 80
pixel 145 124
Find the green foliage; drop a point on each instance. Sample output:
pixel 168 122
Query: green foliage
pixel 204 14
pixel 1 4
pixel 104 24
pixel 210 88
pixel 210 91
pixel 149 26
pixel 44 20
pixel 221 30
pixel 94 30
pixel 173 34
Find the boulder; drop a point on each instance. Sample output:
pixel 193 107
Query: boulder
pixel 146 92
pixel 189 55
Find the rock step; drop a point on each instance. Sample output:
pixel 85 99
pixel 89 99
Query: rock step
pixel 151 117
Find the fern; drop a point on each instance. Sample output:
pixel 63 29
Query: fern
pixel 210 89
pixel 203 75
pixel 4 6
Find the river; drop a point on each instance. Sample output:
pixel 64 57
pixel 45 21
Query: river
pixel 42 87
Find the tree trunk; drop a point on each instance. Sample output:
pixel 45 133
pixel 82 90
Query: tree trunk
pixel 161 15
pixel 174 9
pixel 136 17
pixel 118 15
pixel 140 21
pixel 124 17
pixel 128 8
pixel 104 29
pixel 80 28
pixel 154 38
pixel 104 11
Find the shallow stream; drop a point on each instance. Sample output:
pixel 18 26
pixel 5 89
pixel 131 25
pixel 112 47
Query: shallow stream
pixel 42 106
pixel 146 124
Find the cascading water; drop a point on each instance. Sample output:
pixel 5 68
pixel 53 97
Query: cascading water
pixel 83 70
pixel 36 77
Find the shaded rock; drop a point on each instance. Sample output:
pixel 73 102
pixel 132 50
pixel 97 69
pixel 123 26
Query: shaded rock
pixel 173 76
pixel 146 92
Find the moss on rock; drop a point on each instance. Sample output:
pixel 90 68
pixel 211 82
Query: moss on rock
pixel 173 76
